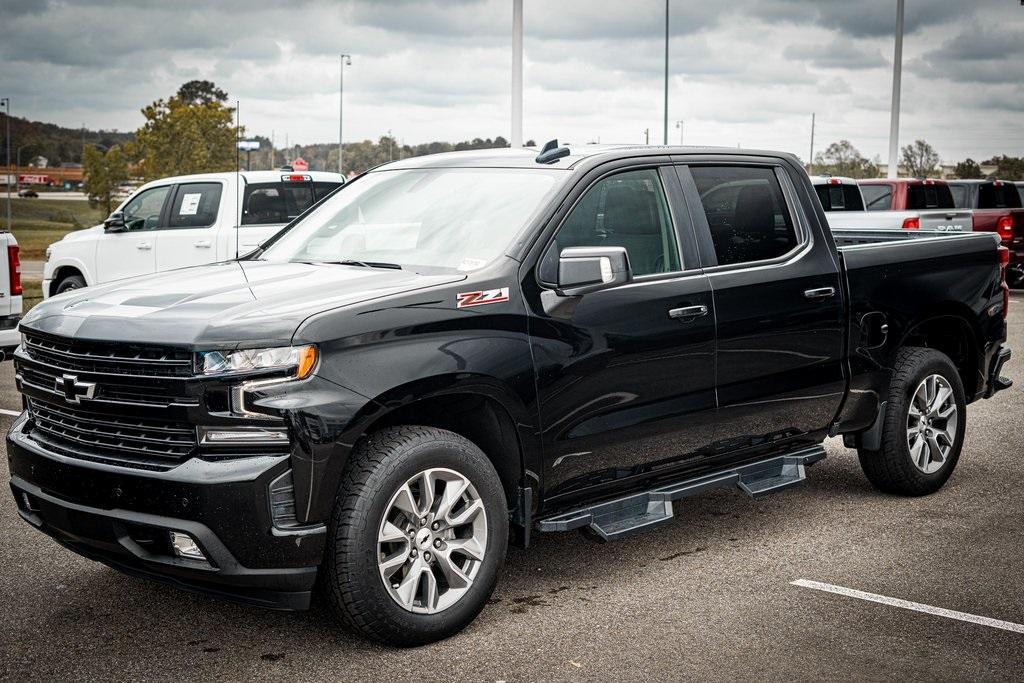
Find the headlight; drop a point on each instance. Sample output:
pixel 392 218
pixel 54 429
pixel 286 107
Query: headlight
pixel 300 359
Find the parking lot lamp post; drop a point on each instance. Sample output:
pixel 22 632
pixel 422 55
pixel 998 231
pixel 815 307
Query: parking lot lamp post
pixel 346 60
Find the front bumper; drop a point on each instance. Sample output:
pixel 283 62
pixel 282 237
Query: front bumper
pixel 119 516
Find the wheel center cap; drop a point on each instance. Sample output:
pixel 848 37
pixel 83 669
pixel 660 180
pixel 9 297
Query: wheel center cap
pixel 423 538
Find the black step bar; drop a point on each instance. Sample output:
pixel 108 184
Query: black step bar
pixel 638 512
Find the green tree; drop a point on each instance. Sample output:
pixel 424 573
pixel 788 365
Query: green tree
pixel 919 159
pixel 104 172
pixel 968 169
pixel 843 159
pixel 182 137
pixel 201 92
pixel 1007 167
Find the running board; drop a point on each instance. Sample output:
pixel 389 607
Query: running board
pixel 638 512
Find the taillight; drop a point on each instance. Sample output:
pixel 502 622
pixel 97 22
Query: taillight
pixel 14 268
pixel 912 223
pixel 1005 228
pixel 1004 257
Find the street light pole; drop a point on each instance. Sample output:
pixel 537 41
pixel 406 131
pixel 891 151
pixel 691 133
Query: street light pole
pixel 517 74
pixel 345 60
pixel 894 117
pixel 665 136
pixel 6 103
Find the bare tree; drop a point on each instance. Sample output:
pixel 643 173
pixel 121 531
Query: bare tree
pixel 919 159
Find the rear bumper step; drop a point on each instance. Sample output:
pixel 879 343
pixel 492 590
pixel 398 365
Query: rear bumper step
pixel 638 512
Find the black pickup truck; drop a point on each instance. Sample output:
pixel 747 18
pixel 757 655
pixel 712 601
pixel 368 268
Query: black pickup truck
pixel 458 351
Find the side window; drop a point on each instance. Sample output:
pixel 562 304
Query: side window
pixel 275 203
pixel 624 210
pixel 195 205
pixel 143 211
pixel 877 197
pixel 746 212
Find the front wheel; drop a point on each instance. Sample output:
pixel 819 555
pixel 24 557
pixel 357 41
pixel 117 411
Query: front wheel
pixel 417 538
pixel 923 427
pixel 69 283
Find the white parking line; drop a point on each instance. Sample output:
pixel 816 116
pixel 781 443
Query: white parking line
pixel 13 413
pixel 906 604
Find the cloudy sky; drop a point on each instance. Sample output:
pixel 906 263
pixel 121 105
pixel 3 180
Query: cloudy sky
pixel 744 72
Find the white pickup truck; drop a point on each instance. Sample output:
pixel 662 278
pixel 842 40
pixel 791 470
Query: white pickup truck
pixel 10 294
pixel 183 221
pixel 843 200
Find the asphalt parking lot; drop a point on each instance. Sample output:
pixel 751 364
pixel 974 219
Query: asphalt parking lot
pixel 709 596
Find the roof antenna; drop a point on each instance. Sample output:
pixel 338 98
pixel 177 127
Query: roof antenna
pixel 551 153
pixel 238 161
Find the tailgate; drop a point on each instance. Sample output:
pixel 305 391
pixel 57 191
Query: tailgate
pixel 948 220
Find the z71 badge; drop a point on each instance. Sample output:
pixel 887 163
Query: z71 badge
pixel 487 296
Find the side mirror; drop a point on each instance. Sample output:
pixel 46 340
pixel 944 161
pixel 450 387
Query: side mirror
pixel 588 269
pixel 114 222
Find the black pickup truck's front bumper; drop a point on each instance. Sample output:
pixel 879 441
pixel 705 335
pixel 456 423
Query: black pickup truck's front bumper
pixel 123 518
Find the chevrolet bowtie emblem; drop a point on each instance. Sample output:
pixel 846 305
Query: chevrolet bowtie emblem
pixel 73 390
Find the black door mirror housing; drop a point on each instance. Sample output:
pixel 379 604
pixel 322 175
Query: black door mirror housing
pixel 588 269
pixel 114 222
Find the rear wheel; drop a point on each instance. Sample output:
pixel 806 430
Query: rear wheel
pixel 923 428
pixel 417 537
pixel 69 283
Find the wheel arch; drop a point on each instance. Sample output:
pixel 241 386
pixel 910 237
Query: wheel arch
pixel 952 331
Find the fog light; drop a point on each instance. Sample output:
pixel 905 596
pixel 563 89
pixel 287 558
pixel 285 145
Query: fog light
pixel 185 546
pixel 214 436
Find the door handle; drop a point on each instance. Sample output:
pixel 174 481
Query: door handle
pixel 820 293
pixel 687 312
pixel 145 246
pixel 202 244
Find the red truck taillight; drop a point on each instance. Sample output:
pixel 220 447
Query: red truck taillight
pixel 14 268
pixel 912 223
pixel 1005 228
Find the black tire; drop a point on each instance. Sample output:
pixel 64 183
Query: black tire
pixel 380 464
pixel 891 469
pixel 69 283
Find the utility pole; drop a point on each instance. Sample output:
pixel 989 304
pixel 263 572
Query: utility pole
pixel 810 158
pixel 517 74
pixel 664 140
pixel 679 125
pixel 345 60
pixel 894 117
pixel 647 136
pixel 6 103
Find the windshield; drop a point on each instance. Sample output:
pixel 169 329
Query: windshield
pixel 452 218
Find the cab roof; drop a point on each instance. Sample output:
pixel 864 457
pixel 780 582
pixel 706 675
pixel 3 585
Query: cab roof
pixel 504 157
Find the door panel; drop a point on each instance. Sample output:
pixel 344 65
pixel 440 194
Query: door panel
pixel 189 237
pixel 131 252
pixel 625 378
pixel 778 306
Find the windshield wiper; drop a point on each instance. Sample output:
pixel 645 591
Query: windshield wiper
pixel 366 264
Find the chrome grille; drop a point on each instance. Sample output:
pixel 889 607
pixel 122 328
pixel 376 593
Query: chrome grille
pixel 105 357
pixel 110 390
pixel 104 438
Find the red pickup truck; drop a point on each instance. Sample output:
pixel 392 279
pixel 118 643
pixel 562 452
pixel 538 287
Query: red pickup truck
pixel 997 208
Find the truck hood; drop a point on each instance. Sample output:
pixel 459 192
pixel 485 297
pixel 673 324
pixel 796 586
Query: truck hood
pixel 219 305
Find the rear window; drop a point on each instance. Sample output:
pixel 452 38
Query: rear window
pixel 929 197
pixel 839 197
pixel 960 196
pixel 1002 196
pixel 877 197
pixel 276 203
